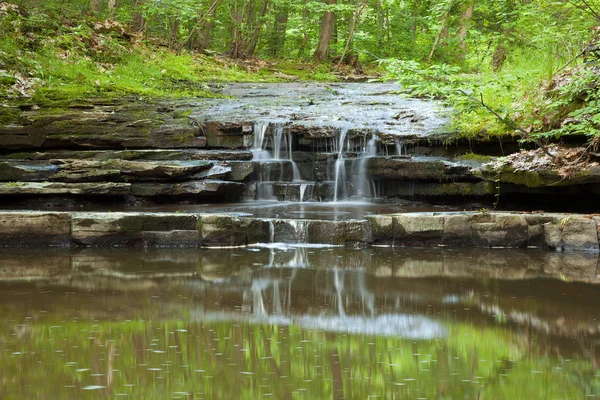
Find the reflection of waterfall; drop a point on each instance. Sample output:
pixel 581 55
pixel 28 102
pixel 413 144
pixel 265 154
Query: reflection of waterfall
pixel 279 258
pixel 338 284
pixel 350 306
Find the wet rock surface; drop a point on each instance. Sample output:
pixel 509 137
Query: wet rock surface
pixel 293 142
pixel 560 232
pixel 319 109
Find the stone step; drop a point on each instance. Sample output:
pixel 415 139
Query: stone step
pixel 95 171
pixel 193 189
pixel 561 232
pixel 422 168
pixel 134 155
pixel 408 189
pixel 64 189
pixel 291 191
pixel 209 188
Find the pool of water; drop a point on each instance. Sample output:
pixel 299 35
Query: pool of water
pixel 296 322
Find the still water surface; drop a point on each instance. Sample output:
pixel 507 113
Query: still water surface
pixel 299 323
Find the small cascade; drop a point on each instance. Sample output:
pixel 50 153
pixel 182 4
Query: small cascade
pixel 401 149
pixel 363 184
pixel 280 144
pixel 303 187
pixel 301 228
pixel 350 156
pixel 359 184
pixel 271 232
pixel 259 151
pixel 341 183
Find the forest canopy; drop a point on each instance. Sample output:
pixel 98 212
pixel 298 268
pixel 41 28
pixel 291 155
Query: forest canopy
pixel 531 62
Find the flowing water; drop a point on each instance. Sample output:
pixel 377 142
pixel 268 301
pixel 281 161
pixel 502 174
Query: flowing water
pixel 298 322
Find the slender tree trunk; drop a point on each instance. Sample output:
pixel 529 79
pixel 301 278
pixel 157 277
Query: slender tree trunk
pixel 113 6
pixel 322 51
pixel 137 18
pixel 96 6
pixel 443 31
pixel 251 48
pixel 354 22
pixel 237 35
pixel 206 36
pixel 380 27
pixel 280 22
pixel 304 30
pixel 174 32
pixel 413 24
pixel 465 22
pixel 207 21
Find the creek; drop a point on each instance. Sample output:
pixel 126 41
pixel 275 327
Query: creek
pixel 298 322
pixel 315 241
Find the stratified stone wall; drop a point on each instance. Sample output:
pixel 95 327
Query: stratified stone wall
pixel 561 232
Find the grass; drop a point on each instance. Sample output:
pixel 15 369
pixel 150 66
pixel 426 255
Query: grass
pixel 77 62
pixel 514 92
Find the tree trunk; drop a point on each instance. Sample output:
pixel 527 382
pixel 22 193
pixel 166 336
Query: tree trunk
pixel 380 27
pixel 443 31
pixel 96 6
pixel 206 36
pixel 465 22
pixel 207 22
pixel 354 22
pixel 237 36
pixel 174 32
pixel 113 6
pixel 251 48
pixel 304 31
pixel 137 18
pixel 322 51
pixel 277 40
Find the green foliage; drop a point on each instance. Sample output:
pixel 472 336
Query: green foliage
pixel 503 52
pixel 575 104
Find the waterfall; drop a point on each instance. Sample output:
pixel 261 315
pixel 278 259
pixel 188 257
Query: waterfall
pixel 271 232
pixel 259 146
pixel 281 145
pixel 300 228
pixel 363 184
pixel 401 149
pixel 303 187
pixel 341 185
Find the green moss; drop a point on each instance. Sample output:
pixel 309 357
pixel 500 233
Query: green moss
pixel 183 137
pixel 525 178
pixel 129 155
pixel 182 113
pixel 475 157
pixel 9 114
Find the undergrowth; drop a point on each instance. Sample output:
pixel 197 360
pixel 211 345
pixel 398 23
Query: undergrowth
pixel 42 59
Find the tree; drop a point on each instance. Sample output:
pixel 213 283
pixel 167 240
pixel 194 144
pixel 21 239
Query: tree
pixel 322 51
pixel 360 7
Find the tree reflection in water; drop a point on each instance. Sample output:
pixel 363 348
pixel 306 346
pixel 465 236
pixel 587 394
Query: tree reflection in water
pixel 292 323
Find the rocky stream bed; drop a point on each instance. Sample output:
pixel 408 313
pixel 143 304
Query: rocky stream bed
pixel 263 144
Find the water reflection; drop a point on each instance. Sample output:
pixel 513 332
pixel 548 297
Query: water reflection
pixel 307 322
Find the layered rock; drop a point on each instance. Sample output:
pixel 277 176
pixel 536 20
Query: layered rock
pixel 560 232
